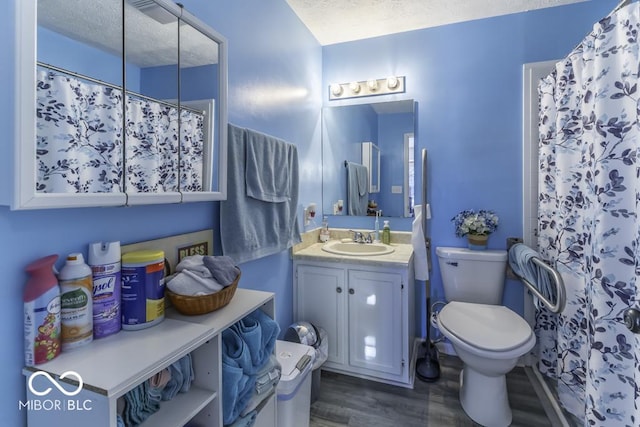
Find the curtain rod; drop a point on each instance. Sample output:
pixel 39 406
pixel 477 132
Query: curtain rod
pixel 113 86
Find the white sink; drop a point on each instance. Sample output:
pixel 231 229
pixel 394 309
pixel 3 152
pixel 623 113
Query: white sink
pixel 358 249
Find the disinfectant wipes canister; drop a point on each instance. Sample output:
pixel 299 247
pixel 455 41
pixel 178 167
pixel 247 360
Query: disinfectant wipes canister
pixel 104 260
pixel 142 289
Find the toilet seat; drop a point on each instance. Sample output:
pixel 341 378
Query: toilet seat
pixel 486 327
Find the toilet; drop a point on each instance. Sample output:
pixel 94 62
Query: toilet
pixel 488 337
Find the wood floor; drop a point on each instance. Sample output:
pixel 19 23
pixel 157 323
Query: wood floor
pixel 353 402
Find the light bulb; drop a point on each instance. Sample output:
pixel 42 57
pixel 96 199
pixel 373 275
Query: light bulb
pixel 372 84
pixel 392 82
pixel 355 87
pixel 336 89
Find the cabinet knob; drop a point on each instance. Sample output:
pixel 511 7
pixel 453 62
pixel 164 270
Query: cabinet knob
pixel 339 290
pixel 351 291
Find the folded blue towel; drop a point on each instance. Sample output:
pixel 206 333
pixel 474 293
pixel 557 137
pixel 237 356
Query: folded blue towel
pixel 251 333
pixel 119 421
pixel 237 389
pixel 269 334
pixel 188 375
pixel 138 406
pixel 520 256
pixel 175 383
pixel 222 268
pixel 235 348
pixel 245 421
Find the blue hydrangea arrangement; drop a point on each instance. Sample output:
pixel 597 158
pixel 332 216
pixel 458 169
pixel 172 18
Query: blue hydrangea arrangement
pixel 480 223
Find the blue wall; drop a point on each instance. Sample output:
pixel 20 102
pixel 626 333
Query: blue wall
pixel 466 79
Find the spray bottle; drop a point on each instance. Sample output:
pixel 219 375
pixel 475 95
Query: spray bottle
pixel 41 312
pixel 76 302
pixel 104 260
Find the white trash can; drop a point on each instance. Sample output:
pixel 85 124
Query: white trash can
pixel 294 388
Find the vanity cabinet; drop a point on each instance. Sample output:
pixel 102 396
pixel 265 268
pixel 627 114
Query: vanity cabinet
pixel 111 366
pixel 367 312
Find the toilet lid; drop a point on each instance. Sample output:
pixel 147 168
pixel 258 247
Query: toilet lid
pixel 489 327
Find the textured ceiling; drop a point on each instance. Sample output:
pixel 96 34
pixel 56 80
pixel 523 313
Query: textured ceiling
pixel 337 21
pixel 150 42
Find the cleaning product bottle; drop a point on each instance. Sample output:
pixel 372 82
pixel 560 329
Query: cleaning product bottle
pixel 376 236
pixel 76 302
pixel 386 233
pixel 104 260
pixel 325 235
pixel 41 312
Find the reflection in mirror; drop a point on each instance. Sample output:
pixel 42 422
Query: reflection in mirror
pixel 152 120
pixel 388 125
pixel 198 119
pixel 79 97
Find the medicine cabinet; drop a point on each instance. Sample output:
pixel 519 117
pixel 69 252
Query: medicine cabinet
pixel 119 102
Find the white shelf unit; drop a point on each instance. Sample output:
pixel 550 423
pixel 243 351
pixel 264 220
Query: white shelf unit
pixel 112 366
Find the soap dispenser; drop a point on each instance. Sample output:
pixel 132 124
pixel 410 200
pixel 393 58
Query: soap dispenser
pixel 386 233
pixel 324 231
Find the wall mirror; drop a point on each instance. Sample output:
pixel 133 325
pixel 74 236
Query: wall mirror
pixel 390 126
pixel 121 102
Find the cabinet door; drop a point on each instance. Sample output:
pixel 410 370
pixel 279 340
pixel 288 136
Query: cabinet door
pixel 321 301
pixel 375 321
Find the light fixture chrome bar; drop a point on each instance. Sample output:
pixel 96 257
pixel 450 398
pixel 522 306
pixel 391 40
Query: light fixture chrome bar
pixel 385 86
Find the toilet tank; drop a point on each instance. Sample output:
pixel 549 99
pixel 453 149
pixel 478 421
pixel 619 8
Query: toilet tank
pixel 472 276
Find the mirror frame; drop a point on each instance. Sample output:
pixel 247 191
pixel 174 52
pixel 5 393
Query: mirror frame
pixel 25 195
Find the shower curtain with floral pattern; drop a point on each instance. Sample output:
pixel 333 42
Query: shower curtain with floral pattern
pixel 589 190
pixel 79 135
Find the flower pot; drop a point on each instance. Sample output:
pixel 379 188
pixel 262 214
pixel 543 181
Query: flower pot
pixel 477 242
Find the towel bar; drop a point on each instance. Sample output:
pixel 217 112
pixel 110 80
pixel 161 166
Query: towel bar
pixel 561 298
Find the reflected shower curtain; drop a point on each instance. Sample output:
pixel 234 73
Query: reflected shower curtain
pixel 79 133
pixel 152 147
pixel 589 189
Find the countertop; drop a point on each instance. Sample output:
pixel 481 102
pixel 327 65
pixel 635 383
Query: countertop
pixel 400 257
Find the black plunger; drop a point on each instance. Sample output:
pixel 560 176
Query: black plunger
pixel 427 367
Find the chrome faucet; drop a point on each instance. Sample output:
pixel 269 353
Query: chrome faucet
pixel 359 237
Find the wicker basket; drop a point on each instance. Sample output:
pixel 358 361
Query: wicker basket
pixel 201 304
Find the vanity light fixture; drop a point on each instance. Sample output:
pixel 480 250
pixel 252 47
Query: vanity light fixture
pixel 386 86
pixel 336 90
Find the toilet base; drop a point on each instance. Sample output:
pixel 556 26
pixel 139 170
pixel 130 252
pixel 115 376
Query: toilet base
pixel 484 398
